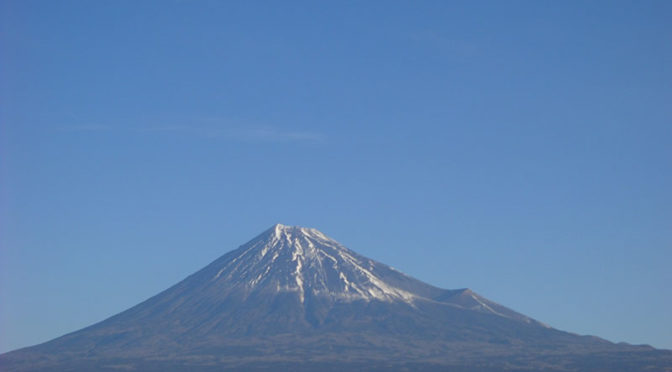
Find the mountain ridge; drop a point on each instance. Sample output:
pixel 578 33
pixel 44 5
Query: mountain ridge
pixel 294 295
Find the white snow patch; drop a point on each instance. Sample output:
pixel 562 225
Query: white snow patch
pixel 345 281
pixel 485 306
pixel 380 289
pixel 265 250
pixel 297 256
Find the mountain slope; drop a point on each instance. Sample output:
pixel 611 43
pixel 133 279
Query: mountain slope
pixel 292 295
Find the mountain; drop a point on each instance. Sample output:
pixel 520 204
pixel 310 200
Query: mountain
pixel 294 299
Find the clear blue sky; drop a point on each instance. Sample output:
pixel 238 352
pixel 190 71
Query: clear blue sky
pixel 522 149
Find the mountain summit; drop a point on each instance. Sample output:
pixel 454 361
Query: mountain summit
pixel 294 299
pixel 307 268
pixel 306 262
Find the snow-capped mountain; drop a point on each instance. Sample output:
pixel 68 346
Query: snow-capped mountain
pixel 294 299
pixel 307 263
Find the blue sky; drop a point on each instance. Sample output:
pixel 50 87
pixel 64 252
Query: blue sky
pixel 522 149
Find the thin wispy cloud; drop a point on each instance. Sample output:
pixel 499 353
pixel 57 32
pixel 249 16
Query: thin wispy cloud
pixel 265 134
pixel 276 135
pixel 85 128
pixel 164 128
pixel 249 135
pixel 192 130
